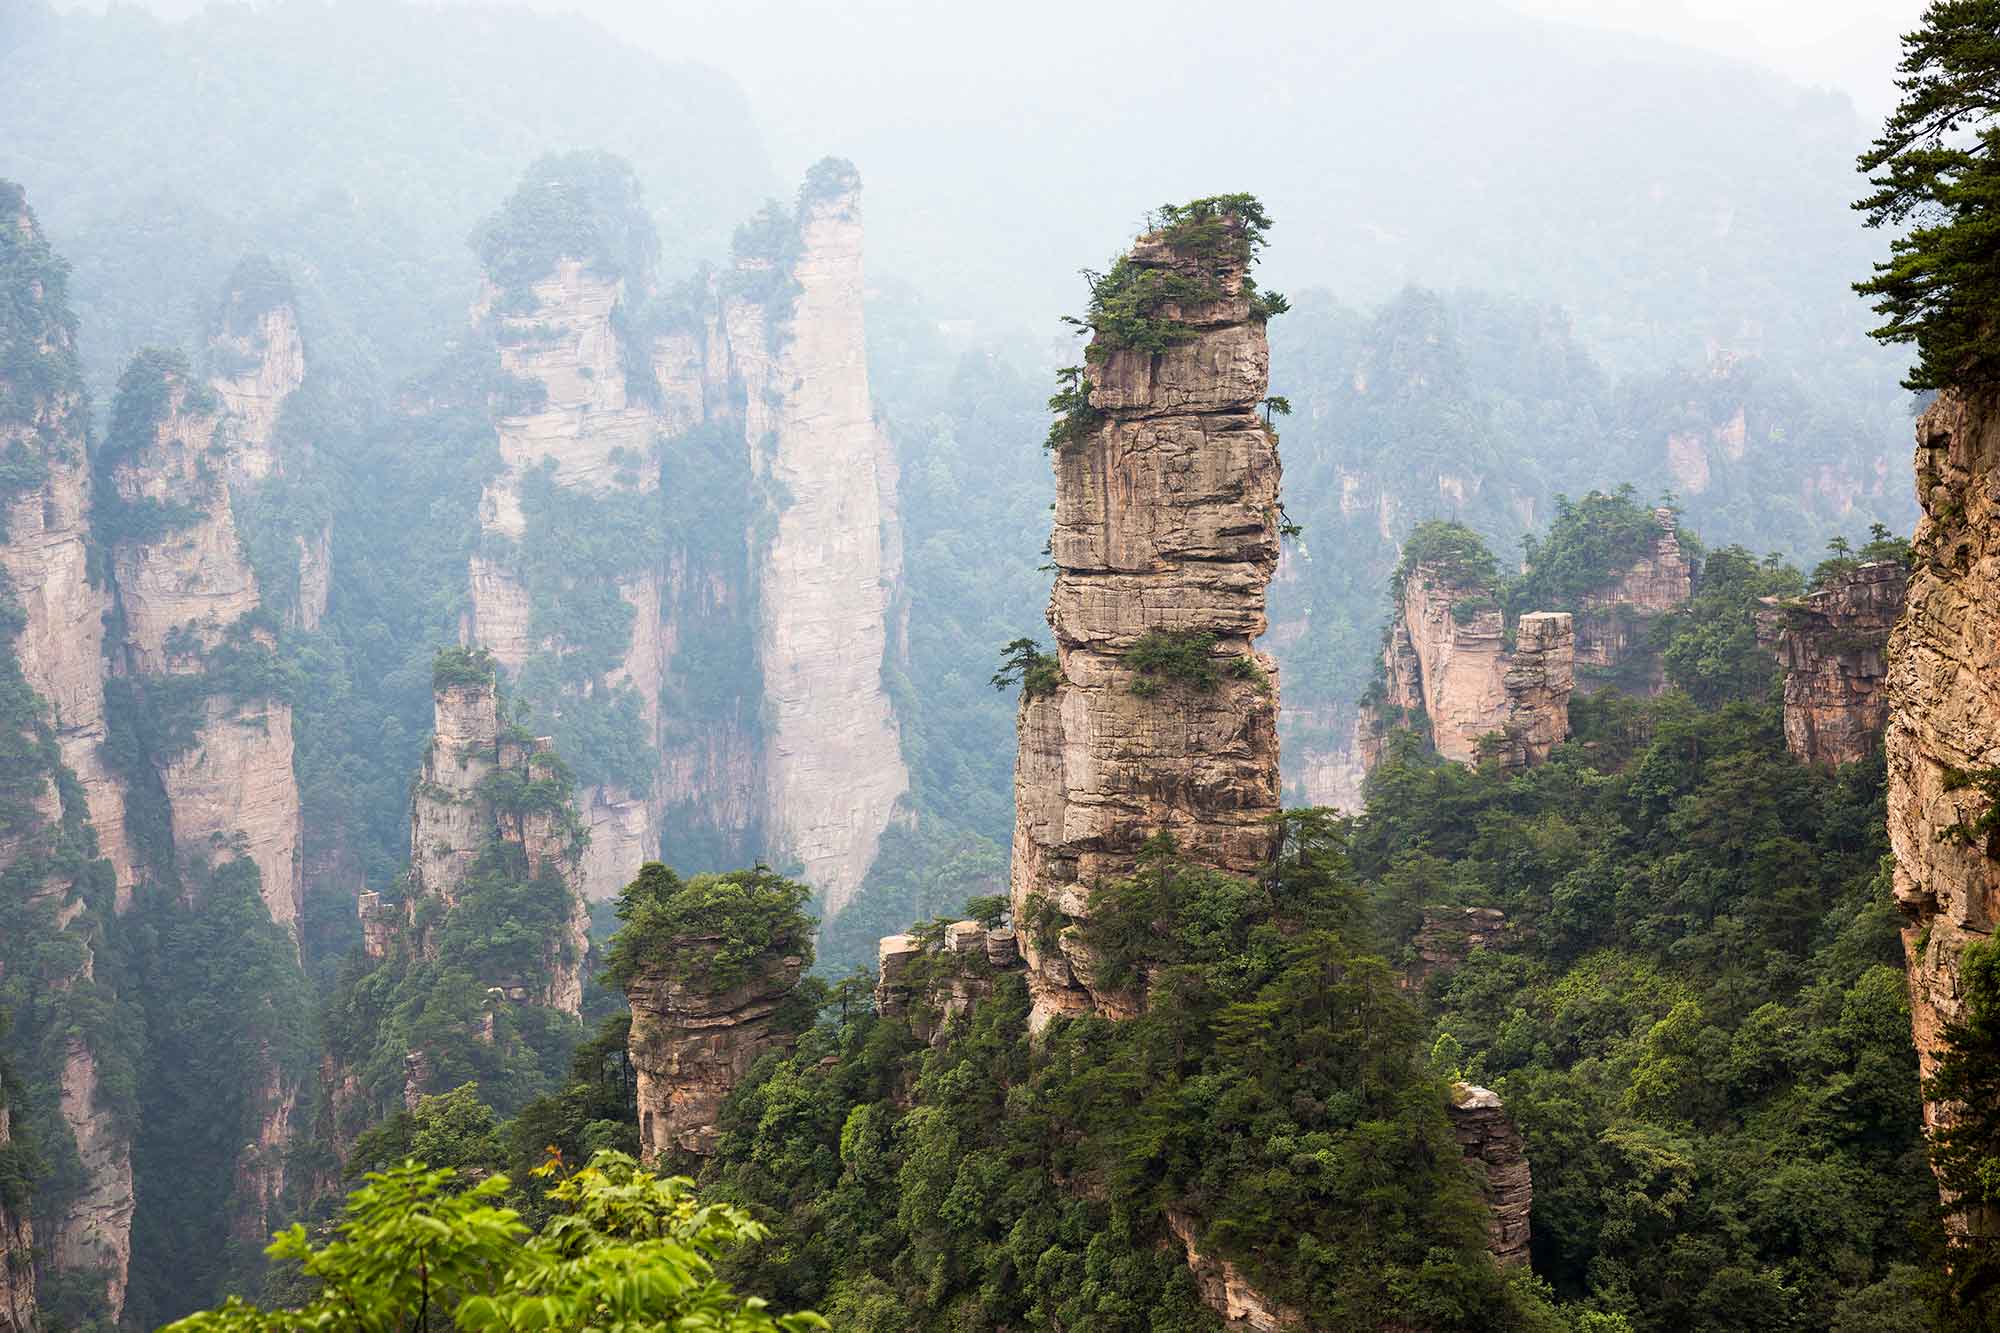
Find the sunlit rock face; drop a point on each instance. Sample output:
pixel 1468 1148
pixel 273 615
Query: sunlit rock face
pixel 1610 624
pixel 753 402
pixel 1453 665
pixel 1943 689
pixel 1834 646
pixel 1166 520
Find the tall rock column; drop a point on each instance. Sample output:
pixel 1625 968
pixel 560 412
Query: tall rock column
pixel 52 613
pixel 1166 526
pixel 190 633
pixel 833 758
pixel 1943 689
pixel 586 433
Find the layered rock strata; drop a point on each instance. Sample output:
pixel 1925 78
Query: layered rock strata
pixel 1447 658
pixel 1611 621
pixel 1166 524
pixel 692 1044
pixel 1834 646
pixel 1943 689
pixel 1447 938
pixel 1499 1160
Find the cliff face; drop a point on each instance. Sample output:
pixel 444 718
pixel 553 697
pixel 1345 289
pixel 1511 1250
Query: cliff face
pixel 1833 644
pixel 52 633
pixel 691 1045
pixel 592 434
pixel 17 1256
pixel 753 409
pixel 1499 1159
pixel 1225 1290
pixel 936 982
pixel 1611 619
pixel 186 598
pixel 833 760
pixel 1943 689
pixel 1166 523
pixel 1455 667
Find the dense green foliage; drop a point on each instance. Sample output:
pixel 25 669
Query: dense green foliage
pixel 1936 177
pixel 40 376
pixel 1590 543
pixel 1965 1145
pixel 992 1180
pixel 420 1249
pixel 579 205
pixel 1700 1025
pixel 711 930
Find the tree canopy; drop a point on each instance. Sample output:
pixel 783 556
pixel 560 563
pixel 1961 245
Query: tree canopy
pixel 1933 170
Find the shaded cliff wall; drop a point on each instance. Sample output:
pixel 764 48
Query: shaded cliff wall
pixel 1498 1157
pixel 1943 691
pixel 1833 644
pixel 691 1044
pixel 17 1250
pixel 833 762
pixel 1166 522
pixel 484 781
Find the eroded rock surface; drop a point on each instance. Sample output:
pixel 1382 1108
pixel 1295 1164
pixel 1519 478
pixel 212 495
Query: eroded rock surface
pixel 934 986
pixel 1447 657
pixel 1448 936
pixel 691 1045
pixel 1834 646
pixel 1225 1290
pixel 17 1255
pixel 1944 715
pixel 1166 521
pixel 1494 1150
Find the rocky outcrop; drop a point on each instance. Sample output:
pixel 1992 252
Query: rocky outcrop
pixel 933 982
pixel 1943 690
pixel 187 607
pixel 833 762
pixel 1611 621
pixel 692 1044
pixel 94 1236
pixel 1225 1290
pixel 17 1254
pixel 1833 644
pixel 1499 1161
pixel 1447 657
pixel 1447 938
pixel 483 782
pixel 1166 525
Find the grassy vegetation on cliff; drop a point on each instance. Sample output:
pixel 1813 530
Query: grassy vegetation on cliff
pixel 713 930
